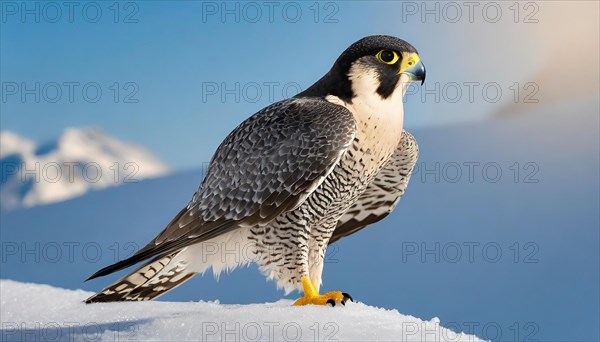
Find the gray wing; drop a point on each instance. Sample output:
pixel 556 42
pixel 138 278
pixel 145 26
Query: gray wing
pixel 268 165
pixel 384 193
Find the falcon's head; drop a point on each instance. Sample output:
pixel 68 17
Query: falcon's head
pixel 374 64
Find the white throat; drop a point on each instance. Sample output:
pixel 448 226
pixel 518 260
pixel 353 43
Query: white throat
pixel 368 106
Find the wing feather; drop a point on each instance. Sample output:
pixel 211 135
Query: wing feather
pixel 268 165
pixel 384 193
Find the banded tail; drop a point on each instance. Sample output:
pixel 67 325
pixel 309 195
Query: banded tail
pixel 149 281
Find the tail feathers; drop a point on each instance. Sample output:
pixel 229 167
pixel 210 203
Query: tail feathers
pixel 145 253
pixel 151 280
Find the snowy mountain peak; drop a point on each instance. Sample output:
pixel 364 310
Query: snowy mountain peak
pixel 11 143
pixel 78 161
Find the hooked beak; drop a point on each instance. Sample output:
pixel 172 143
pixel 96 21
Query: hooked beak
pixel 416 72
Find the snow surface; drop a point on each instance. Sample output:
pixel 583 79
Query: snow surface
pixel 79 161
pixel 41 312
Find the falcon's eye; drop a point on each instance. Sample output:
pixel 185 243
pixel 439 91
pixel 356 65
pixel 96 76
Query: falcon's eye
pixel 387 56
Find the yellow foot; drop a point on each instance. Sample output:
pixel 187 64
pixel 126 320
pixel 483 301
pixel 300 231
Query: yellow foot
pixel 311 296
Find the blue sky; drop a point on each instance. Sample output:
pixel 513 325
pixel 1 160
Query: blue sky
pixel 166 66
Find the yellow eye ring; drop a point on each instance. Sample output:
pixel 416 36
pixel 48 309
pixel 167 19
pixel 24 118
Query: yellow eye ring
pixel 387 56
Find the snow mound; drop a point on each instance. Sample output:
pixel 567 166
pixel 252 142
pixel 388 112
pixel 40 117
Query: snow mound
pixel 42 312
pixel 80 160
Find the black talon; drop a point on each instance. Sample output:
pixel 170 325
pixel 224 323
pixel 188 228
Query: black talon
pixel 331 301
pixel 347 296
pixel 343 302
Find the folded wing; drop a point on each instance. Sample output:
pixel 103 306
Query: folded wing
pixel 268 165
pixel 384 193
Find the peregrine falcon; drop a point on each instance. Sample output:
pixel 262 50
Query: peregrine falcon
pixel 298 175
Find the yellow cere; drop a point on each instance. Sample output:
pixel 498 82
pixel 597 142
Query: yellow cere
pixel 409 59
